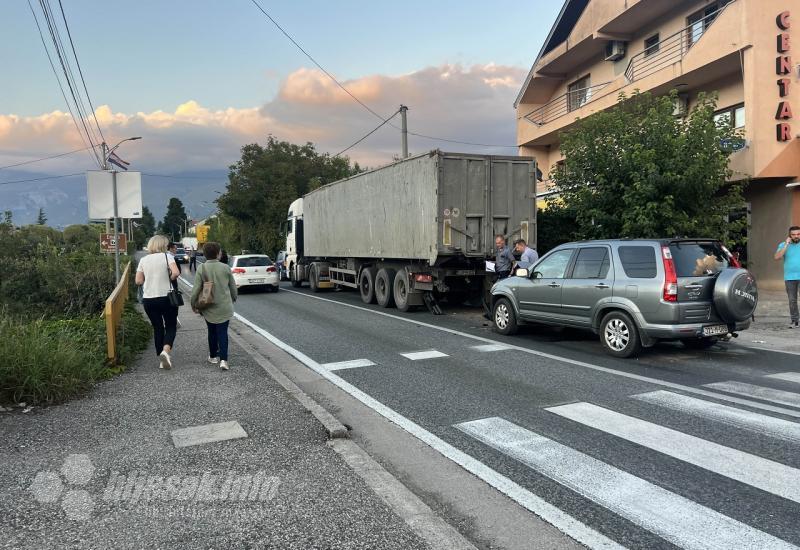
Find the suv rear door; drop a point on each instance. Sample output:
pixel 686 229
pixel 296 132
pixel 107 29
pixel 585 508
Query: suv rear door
pixel 697 264
pixel 589 280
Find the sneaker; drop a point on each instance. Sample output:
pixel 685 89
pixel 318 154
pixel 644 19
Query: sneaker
pixel 178 323
pixel 223 365
pixel 793 324
pixel 165 359
pixel 213 360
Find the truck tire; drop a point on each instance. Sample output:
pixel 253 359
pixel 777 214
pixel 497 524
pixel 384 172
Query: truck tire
pixel 293 277
pixel 735 295
pixel 401 290
pixel 504 317
pixel 366 285
pixel 384 287
pixel 620 335
pixel 313 281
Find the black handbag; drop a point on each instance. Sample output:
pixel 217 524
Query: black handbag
pixel 174 295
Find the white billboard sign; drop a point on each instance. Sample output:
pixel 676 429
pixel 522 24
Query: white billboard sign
pixel 100 194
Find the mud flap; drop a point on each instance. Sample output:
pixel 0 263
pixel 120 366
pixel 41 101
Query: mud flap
pixel 433 305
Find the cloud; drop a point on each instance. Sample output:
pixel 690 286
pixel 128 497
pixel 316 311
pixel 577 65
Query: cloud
pixel 462 103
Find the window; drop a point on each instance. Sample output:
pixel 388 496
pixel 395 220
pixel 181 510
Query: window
pixel 592 263
pixel 731 115
pixel 638 262
pixel 698 259
pixel 651 45
pixel 254 261
pixel 699 21
pixel 578 93
pixel 554 266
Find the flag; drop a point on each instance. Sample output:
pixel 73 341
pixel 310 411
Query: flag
pixel 116 161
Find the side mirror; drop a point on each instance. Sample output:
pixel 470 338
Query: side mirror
pixel 537 275
pixel 522 272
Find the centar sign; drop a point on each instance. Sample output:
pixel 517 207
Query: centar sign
pixel 783 66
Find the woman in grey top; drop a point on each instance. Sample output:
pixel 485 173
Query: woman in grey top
pixel 218 314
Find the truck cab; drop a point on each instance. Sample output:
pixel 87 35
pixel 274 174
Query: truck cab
pixel 293 229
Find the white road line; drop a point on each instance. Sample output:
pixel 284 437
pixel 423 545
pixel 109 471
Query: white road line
pixel 787 376
pixel 673 517
pixel 491 347
pixel 419 355
pixel 759 392
pixel 762 473
pixel 575 362
pixel 738 418
pixel 562 521
pixel 355 363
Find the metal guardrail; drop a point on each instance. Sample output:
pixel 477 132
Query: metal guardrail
pixel 115 304
pixel 563 104
pixel 669 50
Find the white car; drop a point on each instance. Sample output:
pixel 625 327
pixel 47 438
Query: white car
pixel 255 270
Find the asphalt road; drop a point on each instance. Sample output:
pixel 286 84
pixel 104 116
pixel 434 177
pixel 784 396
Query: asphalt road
pixel 642 452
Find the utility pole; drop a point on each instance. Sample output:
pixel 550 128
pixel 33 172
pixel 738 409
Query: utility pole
pixel 404 125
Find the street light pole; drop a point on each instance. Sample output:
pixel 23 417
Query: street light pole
pixel 106 156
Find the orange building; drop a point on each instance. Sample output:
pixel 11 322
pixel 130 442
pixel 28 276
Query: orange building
pixel 745 50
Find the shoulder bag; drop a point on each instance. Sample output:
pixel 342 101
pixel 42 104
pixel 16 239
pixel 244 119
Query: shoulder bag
pixel 206 298
pixel 174 294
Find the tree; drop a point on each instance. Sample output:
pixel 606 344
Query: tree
pixel 174 219
pixel 41 219
pixel 145 228
pixel 264 182
pixel 637 170
pixel 8 216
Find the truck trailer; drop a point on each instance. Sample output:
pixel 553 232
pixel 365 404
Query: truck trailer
pixel 413 231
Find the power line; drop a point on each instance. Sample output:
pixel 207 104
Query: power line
pixel 367 107
pixel 367 135
pixel 40 179
pixel 183 177
pixel 45 158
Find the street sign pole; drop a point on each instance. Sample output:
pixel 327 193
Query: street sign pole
pixel 116 228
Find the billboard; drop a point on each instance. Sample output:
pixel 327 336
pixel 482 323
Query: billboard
pixel 100 194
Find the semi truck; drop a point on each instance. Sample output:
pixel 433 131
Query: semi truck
pixel 414 231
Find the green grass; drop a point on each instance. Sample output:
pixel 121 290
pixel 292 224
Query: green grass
pixel 49 361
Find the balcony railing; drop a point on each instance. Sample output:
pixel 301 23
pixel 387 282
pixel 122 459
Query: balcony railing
pixel 670 50
pixel 563 104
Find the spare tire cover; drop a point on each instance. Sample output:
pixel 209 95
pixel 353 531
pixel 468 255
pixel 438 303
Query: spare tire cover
pixel 735 295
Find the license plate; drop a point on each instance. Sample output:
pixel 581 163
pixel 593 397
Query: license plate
pixel 715 330
pixel 256 281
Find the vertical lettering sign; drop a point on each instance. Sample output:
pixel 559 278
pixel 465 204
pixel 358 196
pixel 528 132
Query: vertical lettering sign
pixel 783 68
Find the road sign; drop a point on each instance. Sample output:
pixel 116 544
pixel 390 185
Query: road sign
pixel 100 194
pixel 201 231
pixel 108 244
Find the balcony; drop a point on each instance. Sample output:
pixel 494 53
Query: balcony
pixel 563 104
pixel 670 50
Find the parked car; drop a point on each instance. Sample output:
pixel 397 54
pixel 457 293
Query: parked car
pixel 181 255
pixel 632 293
pixel 280 261
pixel 254 270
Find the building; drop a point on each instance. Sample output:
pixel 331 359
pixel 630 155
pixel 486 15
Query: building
pixel 742 49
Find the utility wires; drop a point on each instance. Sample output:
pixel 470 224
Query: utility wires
pixel 386 121
pixel 45 158
pixel 41 179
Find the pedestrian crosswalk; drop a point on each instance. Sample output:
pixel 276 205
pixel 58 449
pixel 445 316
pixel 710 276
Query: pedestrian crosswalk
pixel 648 504
pixel 780 397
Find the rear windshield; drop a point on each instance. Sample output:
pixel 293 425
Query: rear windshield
pixel 180 251
pixel 257 261
pixel 698 259
pixel 639 262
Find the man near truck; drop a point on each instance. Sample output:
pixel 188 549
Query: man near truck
pixel 503 257
pixel 526 253
pixel 789 252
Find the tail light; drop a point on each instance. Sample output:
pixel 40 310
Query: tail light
pixel 238 270
pixel 670 276
pixel 271 269
pixel 423 277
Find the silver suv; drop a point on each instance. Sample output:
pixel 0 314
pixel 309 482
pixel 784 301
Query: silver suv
pixel 632 293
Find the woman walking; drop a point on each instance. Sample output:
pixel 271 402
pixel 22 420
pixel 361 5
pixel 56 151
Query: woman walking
pixel 218 310
pixel 155 274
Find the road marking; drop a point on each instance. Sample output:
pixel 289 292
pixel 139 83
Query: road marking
pixel 755 471
pixel 759 392
pixel 491 347
pixel 355 363
pixel 738 418
pixel 787 376
pixel 673 517
pixel 575 362
pixel 419 355
pixel 556 517
pixel 761 348
pixel 207 433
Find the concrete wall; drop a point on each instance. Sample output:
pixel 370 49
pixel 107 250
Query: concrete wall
pixel 771 206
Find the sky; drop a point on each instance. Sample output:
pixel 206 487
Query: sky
pixel 197 79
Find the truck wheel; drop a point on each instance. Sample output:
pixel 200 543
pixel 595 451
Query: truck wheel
pixel 504 316
pixel 366 285
pixel 619 335
pixel 401 291
pixel 384 287
pixel 313 280
pixel 293 277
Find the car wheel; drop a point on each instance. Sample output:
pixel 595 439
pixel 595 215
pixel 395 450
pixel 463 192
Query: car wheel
pixel 505 319
pixel 276 288
pixel 699 343
pixel 366 285
pixel 619 335
pixel 384 287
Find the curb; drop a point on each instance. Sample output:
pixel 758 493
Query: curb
pixel 335 429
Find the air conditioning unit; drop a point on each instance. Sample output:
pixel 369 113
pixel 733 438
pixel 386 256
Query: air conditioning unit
pixel 681 105
pixel 615 50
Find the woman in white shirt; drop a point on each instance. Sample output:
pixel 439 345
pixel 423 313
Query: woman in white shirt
pixel 155 274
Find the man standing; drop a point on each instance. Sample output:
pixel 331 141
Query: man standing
pixel 527 254
pixel 192 259
pixel 789 252
pixel 503 257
